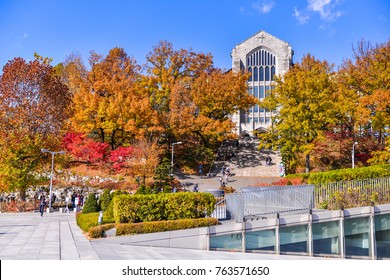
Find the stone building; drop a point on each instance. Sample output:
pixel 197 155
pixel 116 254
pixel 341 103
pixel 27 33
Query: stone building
pixel 264 56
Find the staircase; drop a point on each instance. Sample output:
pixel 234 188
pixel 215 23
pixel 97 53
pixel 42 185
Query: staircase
pixel 246 159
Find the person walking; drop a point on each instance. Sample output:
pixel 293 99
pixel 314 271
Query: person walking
pixel 42 203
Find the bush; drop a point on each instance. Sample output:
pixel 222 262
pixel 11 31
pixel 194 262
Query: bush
pixel 160 226
pixel 91 205
pixel 347 174
pixel 105 199
pixel 99 231
pixel 163 206
pixel 86 221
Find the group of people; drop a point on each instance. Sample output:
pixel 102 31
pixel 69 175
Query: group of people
pixel 73 200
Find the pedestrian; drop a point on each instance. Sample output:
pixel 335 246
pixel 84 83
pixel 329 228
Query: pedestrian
pixel 196 188
pixel 42 203
pixel 221 181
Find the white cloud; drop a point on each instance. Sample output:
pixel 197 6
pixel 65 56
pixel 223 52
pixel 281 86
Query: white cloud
pixel 326 8
pixel 301 16
pixel 264 7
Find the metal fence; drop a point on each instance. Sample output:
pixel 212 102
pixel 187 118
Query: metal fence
pixel 365 191
pixel 269 200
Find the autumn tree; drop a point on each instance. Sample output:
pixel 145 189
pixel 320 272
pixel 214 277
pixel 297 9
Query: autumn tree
pixel 144 159
pixel 367 78
pixel 166 69
pixel 106 103
pixel 200 111
pixel 306 102
pixel 34 105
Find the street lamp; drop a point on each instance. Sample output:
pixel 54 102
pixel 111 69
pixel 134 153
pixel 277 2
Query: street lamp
pixel 353 154
pixel 173 144
pixel 51 174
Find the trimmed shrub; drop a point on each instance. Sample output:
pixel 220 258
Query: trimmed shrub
pixel 347 174
pixel 163 206
pixel 86 221
pixel 91 205
pixel 98 231
pixel 160 226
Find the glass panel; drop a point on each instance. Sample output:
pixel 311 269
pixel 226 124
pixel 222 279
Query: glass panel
pixel 256 92
pixel 255 74
pixel 293 239
pixel 357 232
pixel 272 73
pixel 261 74
pixel 326 238
pixel 256 108
pixel 226 242
pixel 256 119
pixel 250 71
pixel 262 57
pixel 250 90
pixel 267 73
pixel 260 240
pixel 261 92
pixel 382 235
pixel 267 120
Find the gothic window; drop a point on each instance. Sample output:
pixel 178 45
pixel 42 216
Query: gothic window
pixel 261 73
pixel 267 73
pixel 272 73
pixel 250 71
pixel 255 74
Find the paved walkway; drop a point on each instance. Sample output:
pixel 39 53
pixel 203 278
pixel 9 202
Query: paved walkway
pixel 55 236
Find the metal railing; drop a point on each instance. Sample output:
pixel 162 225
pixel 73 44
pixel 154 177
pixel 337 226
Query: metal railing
pixel 269 200
pixel 376 190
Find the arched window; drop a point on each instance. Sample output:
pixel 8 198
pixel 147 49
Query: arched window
pixel 255 74
pixel 262 57
pixel 250 71
pixel 267 76
pixel 261 73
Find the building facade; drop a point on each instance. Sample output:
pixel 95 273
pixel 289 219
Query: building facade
pixel 264 56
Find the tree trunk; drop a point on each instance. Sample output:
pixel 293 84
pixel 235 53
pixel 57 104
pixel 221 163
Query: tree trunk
pixel 307 163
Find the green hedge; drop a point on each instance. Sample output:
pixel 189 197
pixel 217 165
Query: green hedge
pixel 98 231
pixel 348 174
pixel 164 206
pixel 160 226
pixel 150 227
pixel 86 221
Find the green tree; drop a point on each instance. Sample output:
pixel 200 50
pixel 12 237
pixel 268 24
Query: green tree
pixel 105 199
pixel 91 205
pixel 306 104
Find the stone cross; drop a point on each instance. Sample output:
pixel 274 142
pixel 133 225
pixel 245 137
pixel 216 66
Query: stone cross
pixel 261 37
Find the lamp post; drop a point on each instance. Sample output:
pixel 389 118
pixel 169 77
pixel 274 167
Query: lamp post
pixel 353 154
pixel 51 173
pixel 173 144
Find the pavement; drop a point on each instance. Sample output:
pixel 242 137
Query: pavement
pixel 237 182
pixel 56 236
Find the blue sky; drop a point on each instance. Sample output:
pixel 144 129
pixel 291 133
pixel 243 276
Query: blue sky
pixel 326 29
